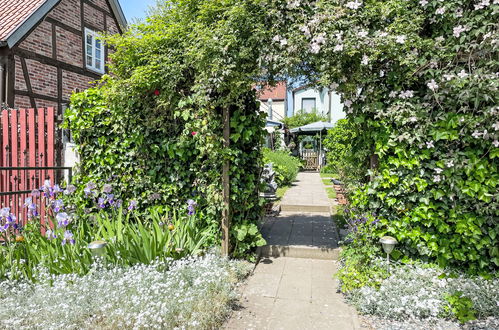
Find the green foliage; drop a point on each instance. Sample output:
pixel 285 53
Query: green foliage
pixel 165 234
pixel 418 80
pixel 359 269
pixel 342 157
pixel 60 247
pixel 301 118
pixel 247 238
pixel 154 129
pixel 461 307
pixel 285 165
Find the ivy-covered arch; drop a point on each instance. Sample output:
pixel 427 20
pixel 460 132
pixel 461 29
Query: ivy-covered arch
pixel 418 78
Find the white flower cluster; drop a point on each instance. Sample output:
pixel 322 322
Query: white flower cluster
pixel 415 291
pixel 189 293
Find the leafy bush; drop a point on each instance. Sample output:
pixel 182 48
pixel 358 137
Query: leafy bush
pixel 418 79
pixel 342 157
pixel 285 165
pixel 194 293
pixel 302 117
pixel 154 127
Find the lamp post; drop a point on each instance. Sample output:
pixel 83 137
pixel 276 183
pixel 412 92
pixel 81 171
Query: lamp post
pixel 98 248
pixel 388 244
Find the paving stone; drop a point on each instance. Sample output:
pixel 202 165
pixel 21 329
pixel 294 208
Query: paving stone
pixel 294 288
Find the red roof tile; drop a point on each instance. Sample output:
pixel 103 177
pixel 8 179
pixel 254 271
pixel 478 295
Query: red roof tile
pixel 275 93
pixel 13 13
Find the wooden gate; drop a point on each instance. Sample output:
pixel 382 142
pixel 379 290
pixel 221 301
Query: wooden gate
pixel 27 152
pixel 311 159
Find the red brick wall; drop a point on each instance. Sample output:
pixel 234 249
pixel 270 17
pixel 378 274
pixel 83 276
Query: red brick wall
pixel 40 103
pixel 43 78
pixel 69 47
pixel 19 84
pixel 72 81
pixel 68 12
pixel 93 17
pixel 22 101
pixel 102 4
pixel 40 40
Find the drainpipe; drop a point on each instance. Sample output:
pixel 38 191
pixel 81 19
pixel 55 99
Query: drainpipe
pixel 2 86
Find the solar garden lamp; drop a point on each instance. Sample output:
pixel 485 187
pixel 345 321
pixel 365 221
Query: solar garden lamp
pixel 388 244
pixel 98 249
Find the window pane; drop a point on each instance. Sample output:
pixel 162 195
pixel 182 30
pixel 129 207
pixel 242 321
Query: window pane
pixel 97 64
pixel 89 39
pixel 98 54
pixel 97 44
pixel 89 50
pixel 89 60
pixel 308 104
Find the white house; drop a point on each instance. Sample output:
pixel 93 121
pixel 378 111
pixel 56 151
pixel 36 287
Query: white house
pixel 323 100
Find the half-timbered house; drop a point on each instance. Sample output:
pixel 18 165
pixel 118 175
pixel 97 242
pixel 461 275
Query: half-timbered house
pixel 49 48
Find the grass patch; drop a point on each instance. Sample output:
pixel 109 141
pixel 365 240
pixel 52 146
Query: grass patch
pixel 281 191
pixel 327 182
pixel 328 175
pixel 331 193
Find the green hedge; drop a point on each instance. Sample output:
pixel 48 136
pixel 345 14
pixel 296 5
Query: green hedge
pixel 285 165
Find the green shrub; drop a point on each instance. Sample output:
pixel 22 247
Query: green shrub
pixel 302 117
pixel 341 155
pixel 285 165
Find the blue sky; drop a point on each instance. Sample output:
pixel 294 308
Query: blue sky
pixel 135 8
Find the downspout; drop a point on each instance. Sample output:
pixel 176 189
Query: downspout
pixel 2 79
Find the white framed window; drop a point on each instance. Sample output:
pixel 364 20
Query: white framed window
pixel 94 51
pixel 308 104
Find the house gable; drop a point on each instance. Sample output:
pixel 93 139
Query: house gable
pixel 48 62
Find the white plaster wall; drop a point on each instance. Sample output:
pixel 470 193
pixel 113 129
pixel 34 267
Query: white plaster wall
pixel 278 109
pixel 70 157
pixel 321 99
pixel 336 108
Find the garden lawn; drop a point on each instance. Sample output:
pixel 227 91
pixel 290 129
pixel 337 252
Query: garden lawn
pixel 194 293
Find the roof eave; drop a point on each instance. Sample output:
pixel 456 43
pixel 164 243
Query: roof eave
pixel 118 12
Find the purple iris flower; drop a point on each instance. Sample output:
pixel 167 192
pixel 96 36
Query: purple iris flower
pixel 58 205
pixel 191 207
pixel 89 188
pixel 62 219
pixel 110 199
pixel 101 202
pixel 50 235
pixel 28 202
pixel 118 203
pixel 68 238
pixel 69 189
pixel 5 212
pixel 107 188
pixel 56 190
pixel 132 204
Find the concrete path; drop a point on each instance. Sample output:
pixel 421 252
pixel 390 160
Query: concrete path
pixel 306 195
pixel 292 287
pixel 293 293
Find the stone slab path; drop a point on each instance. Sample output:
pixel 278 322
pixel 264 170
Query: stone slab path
pixel 292 286
pixel 306 195
pixel 293 293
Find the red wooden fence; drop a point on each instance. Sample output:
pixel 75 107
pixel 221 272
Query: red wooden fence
pixel 27 139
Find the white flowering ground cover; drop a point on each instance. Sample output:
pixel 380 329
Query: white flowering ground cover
pixel 188 293
pixel 414 292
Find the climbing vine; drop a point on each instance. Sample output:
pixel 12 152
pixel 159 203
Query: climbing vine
pixel 418 79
